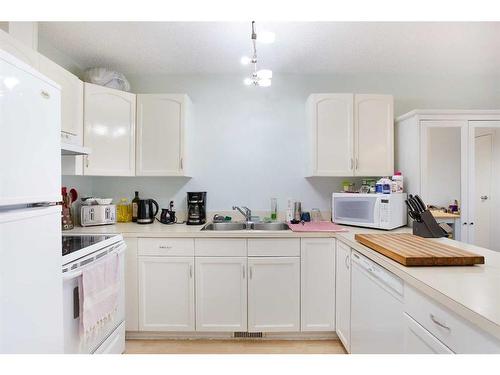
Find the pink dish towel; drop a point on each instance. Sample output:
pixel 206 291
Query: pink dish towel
pixel 321 226
pixel 98 295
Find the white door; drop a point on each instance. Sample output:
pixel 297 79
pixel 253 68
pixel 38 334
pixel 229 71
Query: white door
pixel 71 100
pixel 444 169
pixel 166 294
pixel 331 134
pixel 420 341
pixel 30 146
pixel 373 135
pixel 343 294
pixel 273 294
pixel 317 279
pixel 160 134
pixel 109 130
pixel 221 294
pixel 483 178
pixel 19 49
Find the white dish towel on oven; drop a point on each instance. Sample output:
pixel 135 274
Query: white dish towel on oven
pixel 98 295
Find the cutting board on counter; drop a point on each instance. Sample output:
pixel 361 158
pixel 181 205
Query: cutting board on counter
pixel 410 250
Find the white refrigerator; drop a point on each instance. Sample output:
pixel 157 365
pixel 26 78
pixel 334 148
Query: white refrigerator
pixel 30 223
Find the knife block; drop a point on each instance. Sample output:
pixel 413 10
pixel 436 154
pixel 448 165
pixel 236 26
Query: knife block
pixel 428 227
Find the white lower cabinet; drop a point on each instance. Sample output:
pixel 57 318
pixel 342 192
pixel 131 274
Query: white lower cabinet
pixel 221 294
pixel 317 275
pixel 343 294
pixel 166 293
pixel 420 341
pixel 274 294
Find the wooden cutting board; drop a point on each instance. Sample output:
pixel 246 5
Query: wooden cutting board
pixel 410 250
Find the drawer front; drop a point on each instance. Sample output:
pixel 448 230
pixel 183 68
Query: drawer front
pixel 221 247
pixel 453 331
pixel 166 246
pixel 277 247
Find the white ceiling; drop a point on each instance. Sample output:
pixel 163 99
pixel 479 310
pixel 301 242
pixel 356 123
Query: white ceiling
pixel 300 47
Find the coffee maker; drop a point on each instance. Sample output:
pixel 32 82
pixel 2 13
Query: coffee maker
pixel 196 205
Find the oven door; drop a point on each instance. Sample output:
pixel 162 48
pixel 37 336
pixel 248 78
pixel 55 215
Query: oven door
pixel 357 210
pixel 73 343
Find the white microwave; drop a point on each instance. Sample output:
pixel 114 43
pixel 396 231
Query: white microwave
pixel 380 211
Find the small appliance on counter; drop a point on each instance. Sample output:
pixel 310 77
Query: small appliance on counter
pixel 145 212
pixel 97 214
pixel 197 203
pixel 167 215
pixel 380 211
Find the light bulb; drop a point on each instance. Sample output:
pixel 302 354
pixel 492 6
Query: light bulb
pixel 265 74
pixel 245 60
pixel 248 81
pixel 266 37
pixel 264 82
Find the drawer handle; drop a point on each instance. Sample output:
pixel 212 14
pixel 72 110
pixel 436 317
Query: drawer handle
pixel 438 323
pixel 243 269
pixel 164 247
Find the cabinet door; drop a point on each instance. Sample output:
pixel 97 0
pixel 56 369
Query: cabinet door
pixel 109 130
pixel 131 286
pixel 274 294
pixel 343 294
pixel 331 134
pixel 420 341
pixel 71 100
pixel 317 280
pixel 221 294
pixel 374 135
pixel 18 49
pixel 160 134
pixel 166 294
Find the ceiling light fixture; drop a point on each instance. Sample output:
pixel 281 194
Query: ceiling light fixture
pixel 261 77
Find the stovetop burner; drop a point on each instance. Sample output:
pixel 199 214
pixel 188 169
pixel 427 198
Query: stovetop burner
pixel 71 244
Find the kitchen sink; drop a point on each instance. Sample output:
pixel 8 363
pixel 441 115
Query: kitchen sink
pixel 243 226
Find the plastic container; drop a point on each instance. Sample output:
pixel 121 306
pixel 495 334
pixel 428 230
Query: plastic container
pixel 379 186
pixel 123 211
pixel 397 182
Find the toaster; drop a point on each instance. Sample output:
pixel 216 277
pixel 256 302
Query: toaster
pixel 101 214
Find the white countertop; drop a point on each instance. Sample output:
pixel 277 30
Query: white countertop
pixel 472 292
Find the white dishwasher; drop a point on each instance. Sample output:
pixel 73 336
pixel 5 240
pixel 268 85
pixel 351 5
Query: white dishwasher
pixel 377 323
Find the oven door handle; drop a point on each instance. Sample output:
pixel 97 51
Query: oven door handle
pixel 79 272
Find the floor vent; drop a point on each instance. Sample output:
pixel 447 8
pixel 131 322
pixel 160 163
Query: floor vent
pixel 247 335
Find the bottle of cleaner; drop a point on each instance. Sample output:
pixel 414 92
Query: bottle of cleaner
pixel 397 182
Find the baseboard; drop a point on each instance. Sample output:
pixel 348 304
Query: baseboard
pixel 134 335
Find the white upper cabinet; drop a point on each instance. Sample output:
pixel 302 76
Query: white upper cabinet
pixel 161 123
pixel 18 49
pixel 71 100
pixel 109 130
pixel 350 135
pixel 331 134
pixel 317 274
pixel 374 135
pixel 221 294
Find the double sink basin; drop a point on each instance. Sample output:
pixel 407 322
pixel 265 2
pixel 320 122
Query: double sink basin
pixel 244 226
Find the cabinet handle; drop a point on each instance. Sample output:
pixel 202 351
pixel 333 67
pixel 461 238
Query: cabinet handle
pixel 356 162
pixel 250 273
pixel 243 269
pixel 346 261
pixel 464 223
pixel 350 164
pixel 181 163
pixel 87 161
pixel 190 271
pixel 45 94
pixel 164 247
pixel 438 323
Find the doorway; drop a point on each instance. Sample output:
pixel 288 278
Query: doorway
pixel 483 167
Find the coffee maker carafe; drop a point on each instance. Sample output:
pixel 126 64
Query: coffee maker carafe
pixel 196 202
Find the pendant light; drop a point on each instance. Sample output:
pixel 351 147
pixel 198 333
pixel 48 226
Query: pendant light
pixel 262 77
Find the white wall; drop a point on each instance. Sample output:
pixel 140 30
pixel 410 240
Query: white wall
pixel 249 142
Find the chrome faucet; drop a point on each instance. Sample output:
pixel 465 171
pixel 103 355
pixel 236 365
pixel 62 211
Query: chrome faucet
pixel 245 211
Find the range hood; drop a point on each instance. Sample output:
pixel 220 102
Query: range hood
pixel 68 149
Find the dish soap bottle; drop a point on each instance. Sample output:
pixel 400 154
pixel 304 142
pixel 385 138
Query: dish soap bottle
pixel 135 206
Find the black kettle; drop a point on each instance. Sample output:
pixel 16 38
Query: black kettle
pixel 145 212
